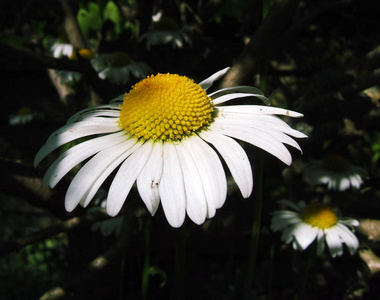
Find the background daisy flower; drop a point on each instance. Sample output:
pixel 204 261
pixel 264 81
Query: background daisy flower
pixel 315 221
pixel 160 136
pixel 336 172
pixel 166 31
pixel 118 67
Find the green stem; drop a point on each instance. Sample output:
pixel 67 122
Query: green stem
pixel 255 233
pixel 180 256
pixel 146 266
pixel 305 277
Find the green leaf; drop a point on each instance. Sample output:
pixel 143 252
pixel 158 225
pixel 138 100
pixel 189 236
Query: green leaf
pixel 112 13
pixel 90 18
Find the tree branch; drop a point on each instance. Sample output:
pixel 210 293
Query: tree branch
pixel 68 225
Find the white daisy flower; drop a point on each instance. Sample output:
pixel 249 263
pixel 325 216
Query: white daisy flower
pixel 118 67
pixel 161 137
pixel 71 77
pixel 315 221
pixel 336 172
pixel 62 50
pixel 24 115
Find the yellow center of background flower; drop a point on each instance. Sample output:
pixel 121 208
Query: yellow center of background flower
pixel 84 53
pixel 335 163
pixel 165 107
pixel 319 215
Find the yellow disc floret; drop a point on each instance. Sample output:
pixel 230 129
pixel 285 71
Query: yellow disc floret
pixel 319 215
pixel 165 107
pixel 336 163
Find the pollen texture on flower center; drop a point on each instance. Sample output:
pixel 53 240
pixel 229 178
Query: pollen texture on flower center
pixel 319 215
pixel 335 163
pixel 165 107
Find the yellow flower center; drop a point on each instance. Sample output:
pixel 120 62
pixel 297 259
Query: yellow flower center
pixel 84 53
pixel 319 215
pixel 335 163
pixel 165 107
pixel 120 59
pixel 23 111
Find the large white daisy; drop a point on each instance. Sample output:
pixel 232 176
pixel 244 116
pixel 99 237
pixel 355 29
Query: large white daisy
pixel 336 172
pixel 163 135
pixel 315 221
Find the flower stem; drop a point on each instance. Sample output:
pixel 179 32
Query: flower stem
pixel 305 276
pixel 146 266
pixel 180 255
pixel 255 233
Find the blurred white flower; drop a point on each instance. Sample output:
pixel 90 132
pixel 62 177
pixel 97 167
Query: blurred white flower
pixel 315 221
pixel 118 67
pixel 24 116
pixel 336 172
pixel 165 31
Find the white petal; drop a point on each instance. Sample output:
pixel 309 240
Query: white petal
pixel 348 238
pixel 305 234
pixel 333 242
pixel 205 84
pixel 265 123
pixel 171 187
pixel 236 90
pixel 89 178
pixel 74 131
pixel 277 132
pixel 196 206
pixel 149 179
pixel 259 110
pixel 97 111
pixel 211 172
pixel 125 177
pixel 235 158
pixel 79 153
pixel 320 242
pixel 232 96
pixel 257 138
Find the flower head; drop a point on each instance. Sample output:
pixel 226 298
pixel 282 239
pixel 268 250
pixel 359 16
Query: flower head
pixel 335 171
pixel 315 221
pixel 166 31
pixel 160 134
pixel 24 115
pixel 118 67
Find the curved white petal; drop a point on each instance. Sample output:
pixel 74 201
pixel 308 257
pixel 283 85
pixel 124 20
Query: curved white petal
pixel 149 179
pixel 236 90
pixel 348 238
pixel 276 132
pixel 97 111
pixel 267 123
pixel 228 97
pixel 333 242
pixel 171 187
pixel 305 234
pixel 89 178
pixel 75 131
pixel 235 158
pixel 257 138
pixel 196 205
pixel 211 171
pixel 205 84
pixel 125 177
pixel 77 154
